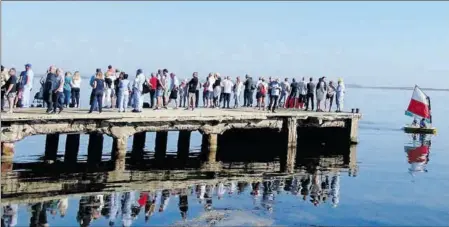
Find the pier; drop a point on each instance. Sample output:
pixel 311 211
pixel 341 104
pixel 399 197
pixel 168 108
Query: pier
pixel 233 129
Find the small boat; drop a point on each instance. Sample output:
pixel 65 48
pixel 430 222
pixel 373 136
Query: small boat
pixel 419 106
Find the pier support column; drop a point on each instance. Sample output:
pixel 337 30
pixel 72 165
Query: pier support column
pixel 138 145
pixel 290 130
pixel 161 145
pixel 353 126
pixel 95 148
pixel 184 145
pixel 72 146
pixel 210 152
pixel 118 154
pixel 51 147
pixel 353 161
pixel 7 157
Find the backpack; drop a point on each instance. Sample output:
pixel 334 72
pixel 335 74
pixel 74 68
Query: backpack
pixel 263 89
pixel 146 87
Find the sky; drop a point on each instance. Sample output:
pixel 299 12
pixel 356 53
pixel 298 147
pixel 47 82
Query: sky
pixel 367 43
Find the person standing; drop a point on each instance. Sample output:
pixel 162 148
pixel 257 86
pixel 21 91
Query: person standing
pixel 193 83
pixel 197 94
pixel 123 93
pixel 165 84
pixel 275 89
pixel 137 91
pixel 11 89
pixel 76 87
pixel 238 87
pixel 340 94
pixel 210 90
pixel 174 87
pixel 153 85
pixel 217 90
pixel 321 91
pixel 293 97
pixel 248 92
pixel 109 93
pixel 262 89
pixel 227 90
pixel 285 90
pixel 4 77
pixel 302 90
pixel 49 87
pixel 67 89
pixel 159 92
pixel 310 94
pixel 182 94
pixel 330 96
pixel 58 93
pixel 98 91
pixel 28 86
pixel 91 83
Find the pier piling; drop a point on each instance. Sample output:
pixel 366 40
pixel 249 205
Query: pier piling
pixel 51 147
pixel 184 144
pixel 118 154
pixel 138 145
pixel 95 148
pixel 72 145
pixel 353 125
pixel 161 145
pixel 290 131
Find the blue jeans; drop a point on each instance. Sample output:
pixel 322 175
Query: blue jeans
pixel 123 97
pixel 97 102
pixel 137 100
pixel 67 97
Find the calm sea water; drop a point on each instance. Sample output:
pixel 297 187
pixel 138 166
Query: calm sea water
pixel 384 192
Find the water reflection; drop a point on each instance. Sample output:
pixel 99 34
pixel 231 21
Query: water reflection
pixel 125 208
pixel 141 195
pixel 418 152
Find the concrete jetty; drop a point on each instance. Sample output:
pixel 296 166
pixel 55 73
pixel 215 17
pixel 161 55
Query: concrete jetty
pixel 282 130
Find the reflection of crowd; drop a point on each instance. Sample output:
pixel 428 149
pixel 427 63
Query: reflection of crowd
pixel 128 205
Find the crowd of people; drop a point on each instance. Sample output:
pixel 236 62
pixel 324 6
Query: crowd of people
pixel 115 89
pixel 128 206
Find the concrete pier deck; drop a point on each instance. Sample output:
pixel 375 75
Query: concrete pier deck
pixel 288 126
pixel 27 122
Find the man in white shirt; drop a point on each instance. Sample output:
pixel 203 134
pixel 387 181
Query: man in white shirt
pixel 210 90
pixel 137 91
pixel 227 90
pixel 28 86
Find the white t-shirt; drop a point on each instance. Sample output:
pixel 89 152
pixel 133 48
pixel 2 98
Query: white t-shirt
pixel 275 89
pixel 76 83
pixel 238 87
pixel 211 84
pixel 227 86
pixel 138 82
pixel 30 75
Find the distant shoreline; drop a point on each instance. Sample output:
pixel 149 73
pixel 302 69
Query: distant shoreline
pixel 394 88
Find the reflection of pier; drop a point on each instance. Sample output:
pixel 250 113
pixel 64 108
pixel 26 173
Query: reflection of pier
pixel 23 186
pixel 283 132
pixel 262 192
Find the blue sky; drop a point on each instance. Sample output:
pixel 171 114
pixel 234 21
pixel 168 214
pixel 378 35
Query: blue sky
pixel 369 43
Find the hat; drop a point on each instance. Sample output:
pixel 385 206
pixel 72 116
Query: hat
pixel 28 65
pixel 340 80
